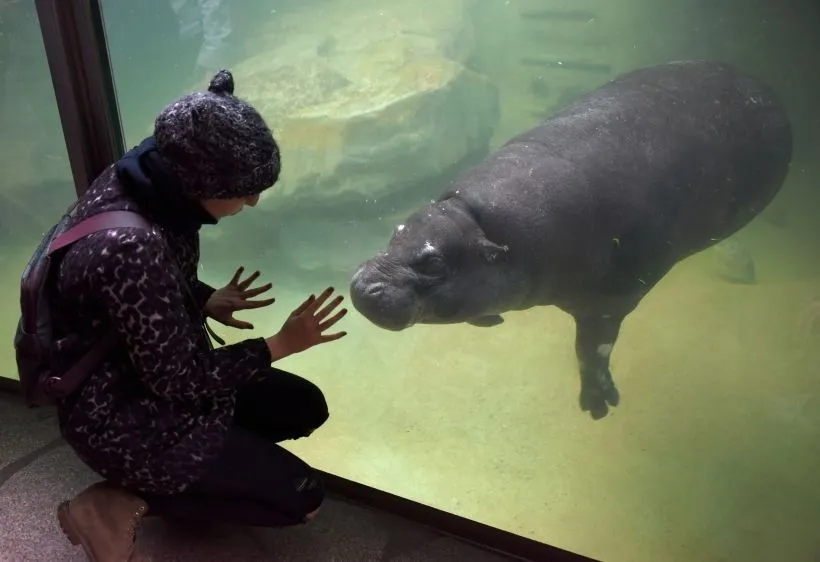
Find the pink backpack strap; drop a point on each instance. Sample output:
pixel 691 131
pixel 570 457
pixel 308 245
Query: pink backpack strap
pixel 61 386
pixel 102 221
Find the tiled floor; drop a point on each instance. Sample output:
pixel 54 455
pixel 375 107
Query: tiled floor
pixel 37 470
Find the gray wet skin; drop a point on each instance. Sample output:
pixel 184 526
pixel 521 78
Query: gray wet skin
pixel 588 211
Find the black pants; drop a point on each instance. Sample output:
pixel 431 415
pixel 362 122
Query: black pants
pixel 254 481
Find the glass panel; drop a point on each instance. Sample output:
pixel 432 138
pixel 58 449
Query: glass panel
pixel 37 184
pixel 711 453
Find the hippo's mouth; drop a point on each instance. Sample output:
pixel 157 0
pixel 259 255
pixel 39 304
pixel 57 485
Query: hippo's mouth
pixel 383 303
pixel 391 324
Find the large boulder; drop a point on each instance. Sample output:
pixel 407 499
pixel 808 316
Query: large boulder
pixel 368 99
pixel 375 108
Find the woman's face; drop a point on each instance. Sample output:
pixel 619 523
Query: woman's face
pixel 220 208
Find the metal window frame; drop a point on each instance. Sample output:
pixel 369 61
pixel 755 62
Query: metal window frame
pixel 77 51
pixel 74 39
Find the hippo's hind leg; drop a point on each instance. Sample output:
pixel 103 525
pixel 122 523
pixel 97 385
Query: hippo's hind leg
pixel 595 336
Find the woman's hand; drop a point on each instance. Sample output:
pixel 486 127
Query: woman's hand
pixel 234 297
pixel 306 325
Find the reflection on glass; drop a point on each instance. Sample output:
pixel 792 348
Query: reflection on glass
pixel 710 455
pixel 35 176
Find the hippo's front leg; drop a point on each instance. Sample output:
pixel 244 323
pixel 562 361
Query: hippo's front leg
pixel 595 337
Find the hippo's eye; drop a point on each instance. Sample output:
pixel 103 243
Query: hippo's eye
pixel 431 265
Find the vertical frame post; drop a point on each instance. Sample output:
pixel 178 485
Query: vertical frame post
pixel 74 37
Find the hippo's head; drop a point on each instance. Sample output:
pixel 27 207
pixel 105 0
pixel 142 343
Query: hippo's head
pixel 439 268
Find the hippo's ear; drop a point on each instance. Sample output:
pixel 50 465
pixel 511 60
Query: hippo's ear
pixel 492 252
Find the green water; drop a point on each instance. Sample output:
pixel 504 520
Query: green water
pixel 712 454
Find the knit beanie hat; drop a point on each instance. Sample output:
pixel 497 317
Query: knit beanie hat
pixel 216 145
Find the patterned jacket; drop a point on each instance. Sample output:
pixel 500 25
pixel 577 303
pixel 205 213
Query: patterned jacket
pixel 155 412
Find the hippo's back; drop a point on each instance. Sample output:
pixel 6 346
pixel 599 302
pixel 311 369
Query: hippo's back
pixel 698 147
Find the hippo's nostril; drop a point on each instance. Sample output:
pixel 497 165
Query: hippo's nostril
pixel 384 304
pixel 374 289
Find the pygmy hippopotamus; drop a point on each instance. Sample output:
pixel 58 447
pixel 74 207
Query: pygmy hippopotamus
pixel 589 210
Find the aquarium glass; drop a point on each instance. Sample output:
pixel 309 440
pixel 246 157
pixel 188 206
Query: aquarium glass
pixel 712 452
pixel 35 176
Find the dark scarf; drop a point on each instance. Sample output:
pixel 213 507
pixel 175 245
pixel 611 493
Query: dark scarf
pixel 157 192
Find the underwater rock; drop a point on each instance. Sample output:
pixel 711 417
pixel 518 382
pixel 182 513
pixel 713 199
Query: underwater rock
pixel 733 263
pixel 367 98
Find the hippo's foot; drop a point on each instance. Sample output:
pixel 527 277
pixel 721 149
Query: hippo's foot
pixel 598 393
pixel 595 338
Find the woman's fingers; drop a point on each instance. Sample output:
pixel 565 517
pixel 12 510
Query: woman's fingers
pixel 239 324
pixel 248 305
pixel 332 337
pixel 320 300
pixel 237 276
pixel 242 285
pixel 250 293
pixel 304 306
pixel 312 304
pixel 333 319
pixel 325 312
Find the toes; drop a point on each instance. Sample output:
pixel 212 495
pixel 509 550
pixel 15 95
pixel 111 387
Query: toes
pixel 598 393
pixel 594 403
pixel 599 414
pixel 612 396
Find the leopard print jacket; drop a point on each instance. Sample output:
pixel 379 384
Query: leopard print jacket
pixel 155 412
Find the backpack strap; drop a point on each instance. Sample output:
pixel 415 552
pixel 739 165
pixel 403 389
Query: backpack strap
pixel 66 383
pixel 101 221
pixel 69 381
